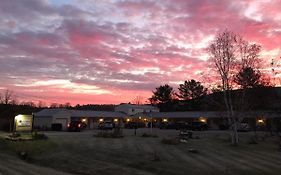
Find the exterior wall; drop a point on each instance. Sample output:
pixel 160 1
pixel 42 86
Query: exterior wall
pixel 63 118
pixel 42 123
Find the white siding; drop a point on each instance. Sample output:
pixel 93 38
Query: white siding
pixel 42 122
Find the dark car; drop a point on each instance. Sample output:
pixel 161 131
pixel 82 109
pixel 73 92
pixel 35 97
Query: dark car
pixel 133 125
pixel 106 125
pixel 243 127
pixel 182 125
pixel 76 126
pixel 167 125
pixel 200 126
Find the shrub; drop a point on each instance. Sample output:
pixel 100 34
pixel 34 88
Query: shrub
pixel 192 150
pixel 253 140
pixel 23 155
pixel 38 136
pixel 170 141
pixel 108 135
pixel 148 135
pixel 14 135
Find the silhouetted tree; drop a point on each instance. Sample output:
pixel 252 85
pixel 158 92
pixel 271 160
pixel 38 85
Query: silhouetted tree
pixel 162 94
pixel 54 105
pixel 229 53
pixel 7 97
pixel 247 77
pixel 191 89
pixel 137 100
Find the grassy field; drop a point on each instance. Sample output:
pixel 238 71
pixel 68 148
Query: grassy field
pixel 81 153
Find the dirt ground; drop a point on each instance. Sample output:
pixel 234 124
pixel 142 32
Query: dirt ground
pixel 81 153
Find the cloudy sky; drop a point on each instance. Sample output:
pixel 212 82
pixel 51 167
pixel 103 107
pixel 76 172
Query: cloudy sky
pixel 110 51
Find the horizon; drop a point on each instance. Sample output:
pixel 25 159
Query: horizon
pixel 110 52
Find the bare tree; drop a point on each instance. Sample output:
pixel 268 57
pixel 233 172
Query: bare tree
pixel 137 100
pixel 54 105
pixel 7 97
pixel 41 104
pixel 229 53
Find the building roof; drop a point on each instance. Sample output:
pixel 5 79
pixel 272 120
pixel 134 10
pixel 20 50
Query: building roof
pixel 188 114
pixel 49 112
pixel 137 106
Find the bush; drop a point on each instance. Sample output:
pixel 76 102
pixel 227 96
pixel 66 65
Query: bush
pixel 148 135
pixel 253 140
pixel 38 136
pixel 23 155
pixel 14 135
pixel 170 141
pixel 109 135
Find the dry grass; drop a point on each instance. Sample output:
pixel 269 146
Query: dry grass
pixel 80 153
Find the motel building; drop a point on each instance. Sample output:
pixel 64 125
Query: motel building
pixel 125 114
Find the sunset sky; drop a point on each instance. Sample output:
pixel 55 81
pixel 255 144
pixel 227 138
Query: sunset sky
pixel 110 51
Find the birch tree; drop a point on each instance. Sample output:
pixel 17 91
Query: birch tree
pixel 230 53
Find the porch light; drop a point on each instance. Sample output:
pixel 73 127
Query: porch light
pixel 127 120
pixel 260 121
pixel 101 120
pixel 201 119
pixel 84 120
pixel 115 120
pixel 165 120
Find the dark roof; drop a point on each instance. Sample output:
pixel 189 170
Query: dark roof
pixel 49 112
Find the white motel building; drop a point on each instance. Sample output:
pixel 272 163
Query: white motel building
pixel 125 113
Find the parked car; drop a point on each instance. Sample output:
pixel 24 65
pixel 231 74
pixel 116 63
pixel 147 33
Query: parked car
pixel 182 125
pixel 223 126
pixel 75 126
pixel 167 125
pixel 243 127
pixel 200 126
pixel 106 125
pixel 133 125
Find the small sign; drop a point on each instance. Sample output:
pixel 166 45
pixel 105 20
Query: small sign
pixel 23 123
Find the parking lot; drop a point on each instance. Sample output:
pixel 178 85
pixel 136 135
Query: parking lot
pixel 82 153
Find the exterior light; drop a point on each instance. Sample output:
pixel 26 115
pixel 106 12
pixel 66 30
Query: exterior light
pixel 260 121
pixel 84 120
pixel 127 120
pixel 145 119
pixel 165 120
pixel 101 120
pixel 139 117
pixel 201 119
pixel 115 120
